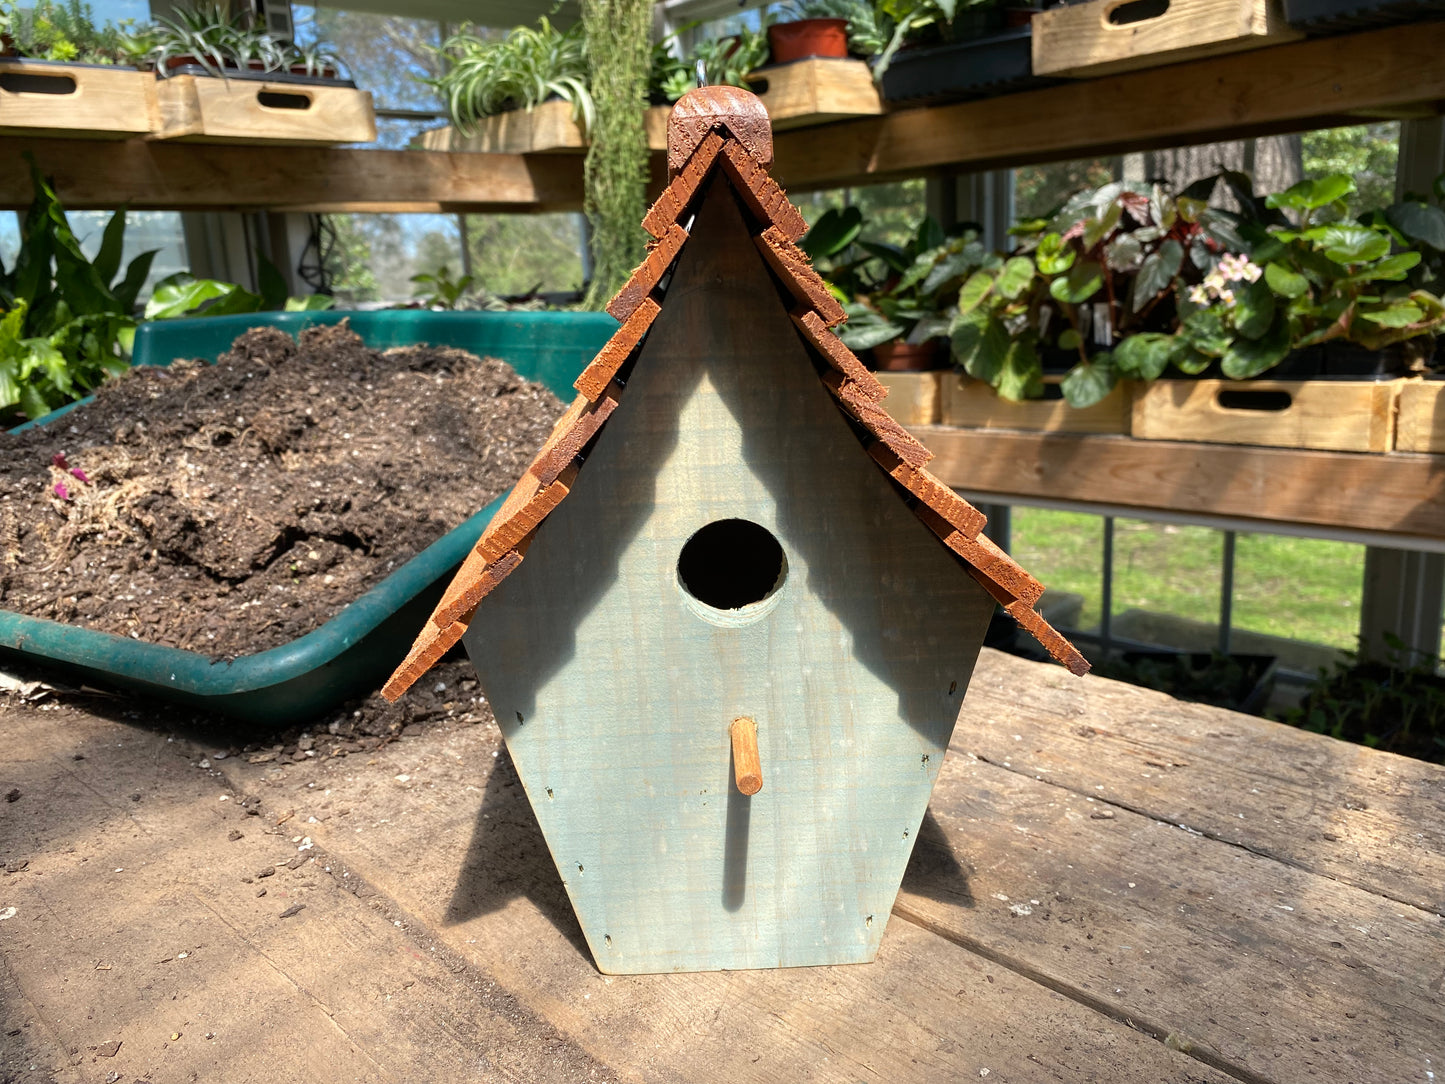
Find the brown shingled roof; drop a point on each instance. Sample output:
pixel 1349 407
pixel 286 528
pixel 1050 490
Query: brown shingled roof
pixel 724 130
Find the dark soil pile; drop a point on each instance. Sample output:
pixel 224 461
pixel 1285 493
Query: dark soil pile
pixel 230 508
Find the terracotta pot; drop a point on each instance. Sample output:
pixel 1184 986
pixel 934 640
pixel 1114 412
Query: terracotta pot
pixel 901 357
pixel 808 37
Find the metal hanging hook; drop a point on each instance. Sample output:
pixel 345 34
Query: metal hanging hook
pixel 701 73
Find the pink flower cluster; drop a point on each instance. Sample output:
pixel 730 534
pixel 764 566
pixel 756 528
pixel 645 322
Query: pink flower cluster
pixel 1231 268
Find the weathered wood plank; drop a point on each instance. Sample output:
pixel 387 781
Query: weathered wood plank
pixel 479 875
pixel 1404 494
pixel 1252 965
pixel 145 174
pixel 141 921
pixel 1085 39
pixel 1283 88
pixel 1368 819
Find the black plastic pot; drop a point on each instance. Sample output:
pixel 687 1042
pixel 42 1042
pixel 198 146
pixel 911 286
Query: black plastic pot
pixel 981 67
pixel 247 74
pixel 1339 16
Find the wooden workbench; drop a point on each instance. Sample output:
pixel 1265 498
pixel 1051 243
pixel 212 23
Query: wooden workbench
pixel 1110 886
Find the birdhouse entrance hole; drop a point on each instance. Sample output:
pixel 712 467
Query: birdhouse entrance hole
pixel 731 564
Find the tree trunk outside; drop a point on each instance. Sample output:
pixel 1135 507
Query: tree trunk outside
pixel 1274 163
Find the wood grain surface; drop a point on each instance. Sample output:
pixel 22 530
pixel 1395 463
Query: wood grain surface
pixel 104 102
pixel 1334 415
pixel 1397 493
pixel 1047 930
pixel 1097 38
pixel 1340 80
pixel 205 109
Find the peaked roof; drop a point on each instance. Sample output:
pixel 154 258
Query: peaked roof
pixel 727 130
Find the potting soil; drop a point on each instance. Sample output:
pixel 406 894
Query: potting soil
pixel 230 508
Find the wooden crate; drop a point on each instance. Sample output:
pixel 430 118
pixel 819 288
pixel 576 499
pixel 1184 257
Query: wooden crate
pixel 38 98
pixel 1421 423
pixel 1334 415
pixel 1087 40
pixel 972 404
pixel 913 398
pixel 798 95
pixel 545 128
pixel 203 109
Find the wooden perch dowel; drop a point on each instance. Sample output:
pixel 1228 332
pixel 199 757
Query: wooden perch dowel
pixel 747 768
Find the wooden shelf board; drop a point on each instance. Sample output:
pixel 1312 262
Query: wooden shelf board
pixel 1293 87
pixel 1332 81
pixel 152 175
pixel 1399 494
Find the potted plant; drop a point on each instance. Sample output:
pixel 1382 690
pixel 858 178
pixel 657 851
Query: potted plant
pixel 483 77
pixel 822 28
pixel 896 297
pixel 945 50
pixel 1396 703
pixel 46 30
pixel 66 320
pixel 726 61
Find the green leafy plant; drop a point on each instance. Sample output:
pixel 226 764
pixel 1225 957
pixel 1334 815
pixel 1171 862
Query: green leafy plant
pixel 1135 281
pixel 65 320
pixel 1397 703
pixel 726 61
pixel 527 66
pixel 218 40
pixel 48 30
pixel 900 21
pixel 889 291
pixel 182 294
pixel 438 290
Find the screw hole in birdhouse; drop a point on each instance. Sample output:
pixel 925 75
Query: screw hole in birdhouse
pixel 731 564
pixel 868 922
pixel 607 939
pixel 952 687
pixel 520 720
pixel 549 794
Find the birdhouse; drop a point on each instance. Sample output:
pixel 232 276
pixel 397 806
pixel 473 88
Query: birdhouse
pixel 729 666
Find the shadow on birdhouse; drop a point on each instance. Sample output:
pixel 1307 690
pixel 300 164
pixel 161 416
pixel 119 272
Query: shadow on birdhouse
pixel 729 668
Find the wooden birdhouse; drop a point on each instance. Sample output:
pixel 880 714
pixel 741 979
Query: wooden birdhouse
pixel 729 667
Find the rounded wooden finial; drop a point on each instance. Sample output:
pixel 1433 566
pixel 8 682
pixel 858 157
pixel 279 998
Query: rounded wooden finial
pixel 700 111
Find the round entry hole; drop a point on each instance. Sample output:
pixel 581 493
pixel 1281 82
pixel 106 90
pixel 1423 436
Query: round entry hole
pixel 731 563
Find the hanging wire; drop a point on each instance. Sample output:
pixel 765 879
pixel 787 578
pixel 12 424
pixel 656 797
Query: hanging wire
pixel 315 268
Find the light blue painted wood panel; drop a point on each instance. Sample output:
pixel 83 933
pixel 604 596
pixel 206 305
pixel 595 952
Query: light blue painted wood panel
pixel 615 690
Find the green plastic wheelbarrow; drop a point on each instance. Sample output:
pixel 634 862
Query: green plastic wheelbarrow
pixel 352 653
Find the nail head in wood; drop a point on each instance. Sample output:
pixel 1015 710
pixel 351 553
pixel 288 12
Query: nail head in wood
pixel 747 768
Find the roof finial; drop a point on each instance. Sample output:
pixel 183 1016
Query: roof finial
pixel 700 111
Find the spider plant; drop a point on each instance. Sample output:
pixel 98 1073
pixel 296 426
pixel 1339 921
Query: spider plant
pixel 526 67
pixel 316 60
pixel 205 32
